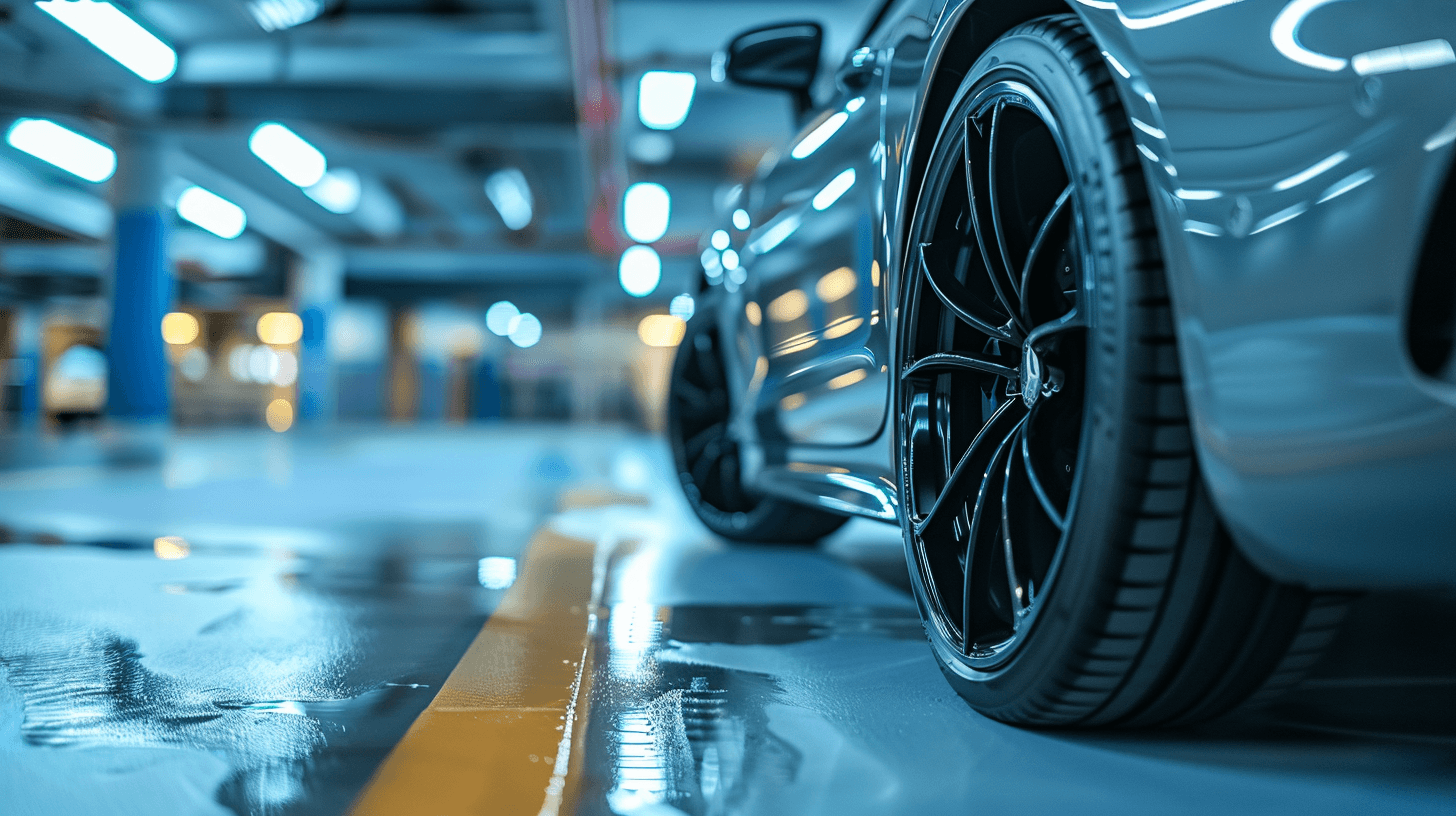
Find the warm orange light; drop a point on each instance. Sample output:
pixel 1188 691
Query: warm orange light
pixel 836 284
pixel 847 378
pixel 280 328
pixel 179 328
pixel 842 327
pixel 792 402
pixel 171 548
pixel 755 314
pixel 662 331
pixel 279 415
pixel 791 305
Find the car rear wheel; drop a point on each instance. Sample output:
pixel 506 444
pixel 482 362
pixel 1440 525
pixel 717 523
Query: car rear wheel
pixel 1068 564
pixel 708 457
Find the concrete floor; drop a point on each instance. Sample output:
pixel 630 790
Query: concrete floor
pixel 526 619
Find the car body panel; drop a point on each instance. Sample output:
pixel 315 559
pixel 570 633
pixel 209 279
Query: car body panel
pixel 1292 201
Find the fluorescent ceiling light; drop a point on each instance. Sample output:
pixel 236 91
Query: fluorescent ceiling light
pixel 639 270
pixel 511 196
pixel 212 212
pixel 117 35
pixel 664 98
pixel 288 154
pixel 837 187
pixel 819 135
pixel 63 147
pixel 276 15
pixel 338 191
pixel 646 210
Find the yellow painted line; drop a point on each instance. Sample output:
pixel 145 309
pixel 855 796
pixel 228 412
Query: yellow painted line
pixel 498 737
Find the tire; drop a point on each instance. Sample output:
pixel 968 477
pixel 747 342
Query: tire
pixel 707 456
pixel 1067 562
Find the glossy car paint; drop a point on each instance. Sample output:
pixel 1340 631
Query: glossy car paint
pixel 1293 195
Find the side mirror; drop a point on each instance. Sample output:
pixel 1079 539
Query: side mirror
pixel 784 57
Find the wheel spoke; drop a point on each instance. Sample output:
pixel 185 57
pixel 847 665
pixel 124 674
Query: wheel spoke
pixel 1019 592
pixel 1068 321
pixel 959 361
pixel 698 442
pixel 971 467
pixel 961 301
pixel 986 214
pixel 1058 209
pixel 694 397
pixel 990 491
pixel 1042 497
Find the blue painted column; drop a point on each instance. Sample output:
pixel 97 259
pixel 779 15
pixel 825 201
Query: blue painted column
pixel 27 374
pixel 138 377
pixel 318 284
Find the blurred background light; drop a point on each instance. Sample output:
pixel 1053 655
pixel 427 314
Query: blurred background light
pixel 194 365
pixel 338 191
pixel 511 196
pixel 496 571
pixel 525 330
pixel 499 316
pixel 65 148
pixel 741 219
pixel 720 239
pixel 276 15
pixel 179 328
pixel 212 212
pixel 279 415
pixel 682 307
pixel 639 270
pixel 730 260
pixel 263 365
pixel 116 35
pixel 289 154
pixel 661 331
pixel 646 210
pixel 171 548
pixel 280 328
pixel 664 98
pixel 836 187
pixel 651 147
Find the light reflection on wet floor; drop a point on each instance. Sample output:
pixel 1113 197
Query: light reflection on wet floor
pixel 271 665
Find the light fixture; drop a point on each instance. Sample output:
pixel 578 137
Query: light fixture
pixel 682 307
pixel 646 210
pixel 212 212
pixel 730 260
pixel 288 154
pixel 280 328
pixel 525 330
pixel 720 239
pixel 819 135
pixel 276 15
pixel 639 270
pixel 116 35
pixel 499 316
pixel 338 191
pixel 63 147
pixel 496 571
pixel 179 328
pixel 661 331
pixel 664 98
pixel 741 219
pixel 836 187
pixel 511 196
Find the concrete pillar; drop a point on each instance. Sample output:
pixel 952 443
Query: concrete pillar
pixel 318 286
pixel 138 379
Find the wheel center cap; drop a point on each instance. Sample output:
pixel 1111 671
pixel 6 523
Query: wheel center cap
pixel 1032 376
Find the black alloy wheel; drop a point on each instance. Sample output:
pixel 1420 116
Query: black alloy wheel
pixel 1062 550
pixel 708 456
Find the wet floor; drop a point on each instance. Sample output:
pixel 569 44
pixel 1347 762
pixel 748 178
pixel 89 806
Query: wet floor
pixel 525 619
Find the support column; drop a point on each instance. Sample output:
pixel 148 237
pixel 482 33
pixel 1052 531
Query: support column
pixel 138 379
pixel 318 286
pixel 26 366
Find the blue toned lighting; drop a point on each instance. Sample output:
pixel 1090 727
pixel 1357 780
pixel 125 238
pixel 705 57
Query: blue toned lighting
pixel 664 98
pixel 646 210
pixel 525 330
pixel 116 35
pixel 837 187
pixel 63 147
pixel 338 191
pixel 212 212
pixel 639 270
pixel 499 316
pixel 682 307
pixel 741 219
pixel 511 196
pixel 720 239
pixel 819 135
pixel 276 15
pixel 288 154
pixel 730 260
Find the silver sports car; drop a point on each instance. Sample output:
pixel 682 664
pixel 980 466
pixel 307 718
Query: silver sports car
pixel 1137 316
